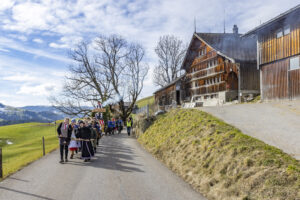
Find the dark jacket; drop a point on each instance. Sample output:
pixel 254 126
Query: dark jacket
pixel 84 133
pixel 69 131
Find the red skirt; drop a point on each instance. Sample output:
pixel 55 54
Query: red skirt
pixel 73 148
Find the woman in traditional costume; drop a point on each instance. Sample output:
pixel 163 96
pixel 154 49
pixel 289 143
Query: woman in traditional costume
pixel 73 146
pixel 84 134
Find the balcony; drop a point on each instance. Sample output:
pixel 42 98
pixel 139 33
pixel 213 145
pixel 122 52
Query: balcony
pixel 218 87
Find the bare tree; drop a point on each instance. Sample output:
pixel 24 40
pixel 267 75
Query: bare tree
pixel 113 72
pixel 170 51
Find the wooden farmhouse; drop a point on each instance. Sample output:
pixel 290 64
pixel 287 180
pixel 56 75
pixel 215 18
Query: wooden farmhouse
pixel 170 94
pixel 278 46
pixel 220 67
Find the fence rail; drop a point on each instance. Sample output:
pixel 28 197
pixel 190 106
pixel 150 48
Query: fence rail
pixel 142 110
pixel 7 160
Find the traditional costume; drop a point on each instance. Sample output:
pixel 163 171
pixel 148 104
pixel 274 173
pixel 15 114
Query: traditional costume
pixel 73 143
pixel 87 151
pixel 64 133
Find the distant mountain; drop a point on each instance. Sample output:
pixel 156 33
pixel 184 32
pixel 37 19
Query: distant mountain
pixel 12 115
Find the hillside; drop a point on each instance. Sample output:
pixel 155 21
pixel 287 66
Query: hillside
pixel 22 144
pixel 143 102
pixel 12 115
pixel 218 160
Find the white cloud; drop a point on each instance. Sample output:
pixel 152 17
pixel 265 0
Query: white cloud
pixel 38 90
pixel 68 22
pixel 11 44
pixel 38 40
pixel 4 50
pixel 58 46
pixel 6 4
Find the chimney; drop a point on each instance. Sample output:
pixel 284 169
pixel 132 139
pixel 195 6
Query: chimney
pixel 235 29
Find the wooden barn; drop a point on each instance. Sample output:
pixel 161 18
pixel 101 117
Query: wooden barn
pixel 220 67
pixel 278 46
pixel 170 94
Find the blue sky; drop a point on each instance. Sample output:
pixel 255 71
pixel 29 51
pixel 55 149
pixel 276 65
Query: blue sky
pixel 35 36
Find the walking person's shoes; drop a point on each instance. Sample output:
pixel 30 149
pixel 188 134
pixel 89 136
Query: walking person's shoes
pixel 61 161
pixel 66 160
pixel 85 160
pixel 71 157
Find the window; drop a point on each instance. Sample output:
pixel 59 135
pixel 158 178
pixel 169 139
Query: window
pixel 286 30
pixel 294 63
pixel 279 33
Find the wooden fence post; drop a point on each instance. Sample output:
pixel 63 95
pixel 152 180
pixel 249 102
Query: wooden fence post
pixel 43 146
pixel 1 169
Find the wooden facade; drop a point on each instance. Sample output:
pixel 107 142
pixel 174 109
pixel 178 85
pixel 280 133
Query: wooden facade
pixel 217 75
pixel 278 44
pixel 170 94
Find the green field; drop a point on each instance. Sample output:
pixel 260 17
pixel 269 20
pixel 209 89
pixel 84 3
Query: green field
pixel 26 144
pixel 220 161
pixel 143 102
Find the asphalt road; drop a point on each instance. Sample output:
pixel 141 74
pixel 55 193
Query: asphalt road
pixel 275 123
pixel 122 170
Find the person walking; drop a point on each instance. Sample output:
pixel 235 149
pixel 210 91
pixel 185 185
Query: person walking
pixel 119 125
pixel 94 135
pixel 110 126
pixel 64 132
pixel 129 125
pixel 84 134
pixel 73 146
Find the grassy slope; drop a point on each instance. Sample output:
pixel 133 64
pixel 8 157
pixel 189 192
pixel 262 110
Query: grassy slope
pixel 143 102
pixel 27 144
pixel 219 161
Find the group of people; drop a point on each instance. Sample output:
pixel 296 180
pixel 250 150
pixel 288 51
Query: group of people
pixel 84 135
pixel 78 136
pixel 117 126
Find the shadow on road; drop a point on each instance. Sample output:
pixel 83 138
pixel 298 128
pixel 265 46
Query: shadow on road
pixel 25 193
pixel 17 179
pixel 112 154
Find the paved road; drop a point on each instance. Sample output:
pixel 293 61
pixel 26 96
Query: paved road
pixel 275 123
pixel 121 171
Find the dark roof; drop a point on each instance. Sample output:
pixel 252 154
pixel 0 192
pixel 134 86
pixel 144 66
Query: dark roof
pixel 231 45
pixel 173 82
pixel 275 19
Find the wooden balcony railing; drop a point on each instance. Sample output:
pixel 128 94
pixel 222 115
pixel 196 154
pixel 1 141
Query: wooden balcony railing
pixel 218 87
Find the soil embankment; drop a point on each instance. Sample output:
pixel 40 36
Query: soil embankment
pixel 220 161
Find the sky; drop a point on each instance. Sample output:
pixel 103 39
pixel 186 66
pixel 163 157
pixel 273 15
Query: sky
pixel 36 35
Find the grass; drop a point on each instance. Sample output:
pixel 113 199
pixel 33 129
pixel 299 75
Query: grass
pixel 27 144
pixel 220 161
pixel 143 102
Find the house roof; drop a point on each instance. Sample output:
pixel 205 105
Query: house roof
pixel 173 82
pixel 231 45
pixel 284 15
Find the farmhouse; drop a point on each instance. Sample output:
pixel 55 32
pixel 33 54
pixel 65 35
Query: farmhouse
pixel 220 67
pixel 278 46
pixel 170 94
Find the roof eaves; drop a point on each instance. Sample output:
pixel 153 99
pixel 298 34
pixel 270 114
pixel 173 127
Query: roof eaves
pixel 267 23
pixel 173 82
pixel 218 52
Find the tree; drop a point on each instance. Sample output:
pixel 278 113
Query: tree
pixel 170 51
pixel 112 71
